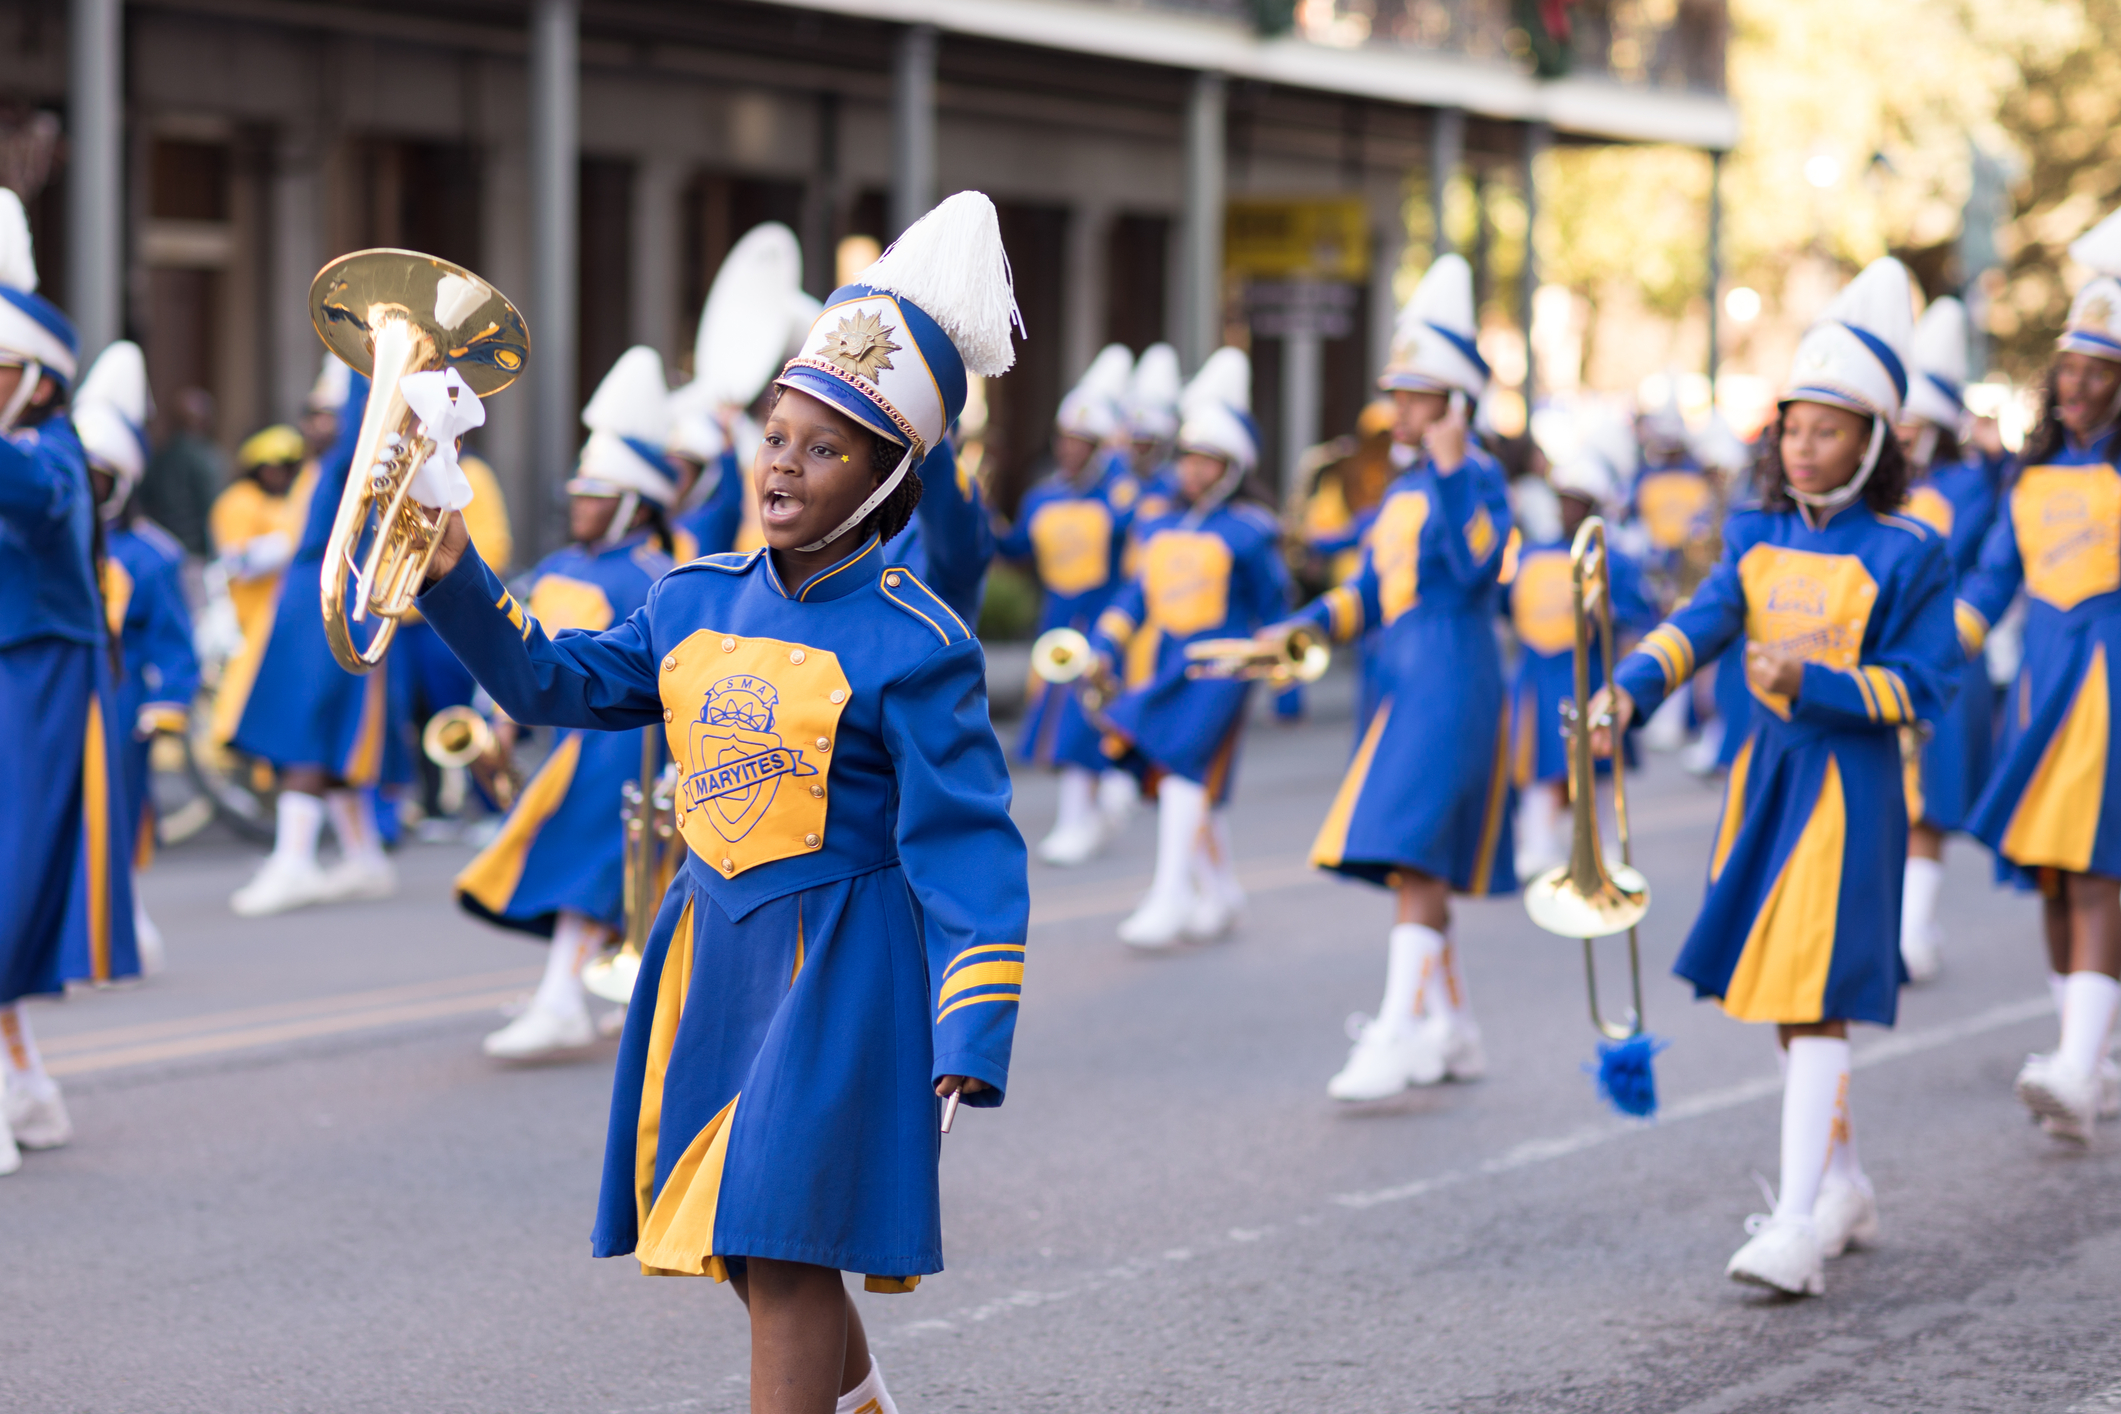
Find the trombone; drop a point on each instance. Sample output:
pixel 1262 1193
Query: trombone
pixel 1290 653
pixel 388 313
pixel 650 820
pixel 1064 655
pixel 1587 897
pixel 459 737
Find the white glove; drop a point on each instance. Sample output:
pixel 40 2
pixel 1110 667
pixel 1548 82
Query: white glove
pixel 447 409
pixel 262 555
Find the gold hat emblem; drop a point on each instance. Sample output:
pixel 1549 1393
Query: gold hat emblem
pixel 2099 311
pixel 861 346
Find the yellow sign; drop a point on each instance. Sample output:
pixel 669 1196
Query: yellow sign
pixel 1311 238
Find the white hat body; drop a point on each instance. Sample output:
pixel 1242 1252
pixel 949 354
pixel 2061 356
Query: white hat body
pixel 1856 356
pixel 1435 344
pixel 1936 380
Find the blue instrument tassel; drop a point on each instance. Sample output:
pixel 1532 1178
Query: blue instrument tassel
pixel 1625 1078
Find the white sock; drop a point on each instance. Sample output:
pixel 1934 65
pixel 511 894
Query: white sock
pixel 868 1397
pixel 1117 794
pixel 1813 1092
pixel 2057 988
pixel 298 819
pixel 1078 800
pixel 1181 811
pixel 2088 1002
pixel 1415 954
pixel 1214 872
pixel 147 936
pixel 353 821
pixel 18 1053
pixel 1445 994
pixel 1918 902
pixel 1842 1163
pixel 574 938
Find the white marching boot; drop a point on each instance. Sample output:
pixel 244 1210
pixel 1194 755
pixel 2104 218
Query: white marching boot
pixel 1784 1255
pixel 542 1031
pixel 1845 1216
pixel 36 1112
pixel 1078 829
pixel 1220 900
pixel 1161 919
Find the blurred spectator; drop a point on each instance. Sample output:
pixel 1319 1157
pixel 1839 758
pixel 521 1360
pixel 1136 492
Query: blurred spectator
pixel 178 490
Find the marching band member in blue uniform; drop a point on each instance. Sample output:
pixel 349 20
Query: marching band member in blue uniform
pixel 1337 519
pixel 1071 526
pixel 143 601
pixel 1845 606
pixel 1210 569
pixel 710 484
pixel 1672 505
pixel 2050 807
pixel 950 541
pixel 1952 494
pixel 557 867
pixel 1152 426
pixel 327 731
pixel 1424 808
pixel 845 940
pixel 1539 596
pixel 66 909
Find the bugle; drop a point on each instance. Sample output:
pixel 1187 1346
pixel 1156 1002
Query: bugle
pixel 389 313
pixel 1294 653
pixel 1587 898
pixel 459 737
pixel 1064 655
pixel 649 818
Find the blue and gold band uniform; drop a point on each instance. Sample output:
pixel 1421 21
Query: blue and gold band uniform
pixel 143 596
pixel 1539 598
pixel 561 846
pixel 65 883
pixel 1339 538
pixel 2052 799
pixel 1801 922
pixel 950 541
pixel 849 923
pixel 710 528
pixel 1429 786
pixel 1073 533
pixel 1215 576
pixel 1674 504
pixel 304 709
pixel 1959 503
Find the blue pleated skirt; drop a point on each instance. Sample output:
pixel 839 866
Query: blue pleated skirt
pixel 2053 798
pixel 306 710
pixel 1955 759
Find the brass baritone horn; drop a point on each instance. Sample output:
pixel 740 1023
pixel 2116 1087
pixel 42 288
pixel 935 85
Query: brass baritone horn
pixel 649 817
pixel 1296 653
pixel 388 313
pixel 460 737
pixel 1063 655
pixel 1586 898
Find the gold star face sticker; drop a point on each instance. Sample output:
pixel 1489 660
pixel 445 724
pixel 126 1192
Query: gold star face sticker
pixel 861 346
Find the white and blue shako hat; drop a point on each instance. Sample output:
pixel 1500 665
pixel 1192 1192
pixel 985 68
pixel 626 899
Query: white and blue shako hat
pixel 1216 421
pixel 1094 408
pixel 33 331
pixel 1856 357
pixel 110 413
pixel 1435 344
pixel 1601 464
pixel 2094 325
pixel 627 420
pixel 1152 395
pixel 892 351
pixel 756 312
pixel 1936 384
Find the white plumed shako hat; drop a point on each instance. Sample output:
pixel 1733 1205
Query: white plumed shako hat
pixel 1092 407
pixel 2094 325
pixel 33 330
pixel 1855 357
pixel 1216 411
pixel 1152 395
pixel 1435 344
pixel 1600 465
pixel 627 420
pixel 110 412
pixel 892 351
pixel 1936 385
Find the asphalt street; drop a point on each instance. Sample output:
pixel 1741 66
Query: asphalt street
pixel 298 1185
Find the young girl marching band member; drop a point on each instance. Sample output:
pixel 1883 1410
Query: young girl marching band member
pixel 1212 569
pixel 143 600
pixel 1152 418
pixel 1845 607
pixel 557 867
pixel 66 908
pixel 2050 807
pixel 1071 526
pixel 1953 494
pixel 845 941
pixel 1424 807
pixel 1539 596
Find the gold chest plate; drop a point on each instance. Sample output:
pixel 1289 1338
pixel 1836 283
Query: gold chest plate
pixel 1073 540
pixel 1543 603
pixel 1815 605
pixel 559 602
pixel 1395 548
pixel 1186 581
pixel 2068 520
pixel 1675 506
pixel 1932 507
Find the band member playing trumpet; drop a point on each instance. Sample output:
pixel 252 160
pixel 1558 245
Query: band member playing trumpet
pixel 1846 609
pixel 1424 807
pixel 2047 810
pixel 844 944
pixel 1212 569
pixel 556 869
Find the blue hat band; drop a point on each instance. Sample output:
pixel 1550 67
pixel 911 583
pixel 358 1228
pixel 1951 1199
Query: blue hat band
pixel 2100 344
pixel 1947 387
pixel 1883 352
pixel 1465 346
pixel 829 386
pixel 652 454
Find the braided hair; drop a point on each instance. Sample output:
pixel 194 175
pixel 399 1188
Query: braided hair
pixel 1884 493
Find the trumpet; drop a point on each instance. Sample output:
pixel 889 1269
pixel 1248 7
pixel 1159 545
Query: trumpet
pixel 388 313
pixel 1587 897
pixel 460 737
pixel 1063 655
pixel 650 821
pixel 1294 653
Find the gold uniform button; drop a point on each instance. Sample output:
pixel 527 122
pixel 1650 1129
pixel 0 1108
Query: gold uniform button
pixel 666 714
pixel 727 865
pixel 824 743
pixel 891 581
pixel 795 655
pixel 729 645
pixel 670 662
pixel 838 695
pixel 817 792
pixel 810 840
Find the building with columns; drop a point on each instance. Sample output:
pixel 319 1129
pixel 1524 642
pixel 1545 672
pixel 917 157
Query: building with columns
pixel 595 159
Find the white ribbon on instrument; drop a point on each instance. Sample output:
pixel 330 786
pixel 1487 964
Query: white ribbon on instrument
pixel 447 409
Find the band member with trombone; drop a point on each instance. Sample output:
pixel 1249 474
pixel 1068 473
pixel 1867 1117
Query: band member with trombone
pixel 65 890
pixel 1071 527
pixel 143 601
pixel 844 943
pixel 1209 570
pixel 2048 810
pixel 1953 494
pixel 556 868
pixel 1424 808
pixel 1845 605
